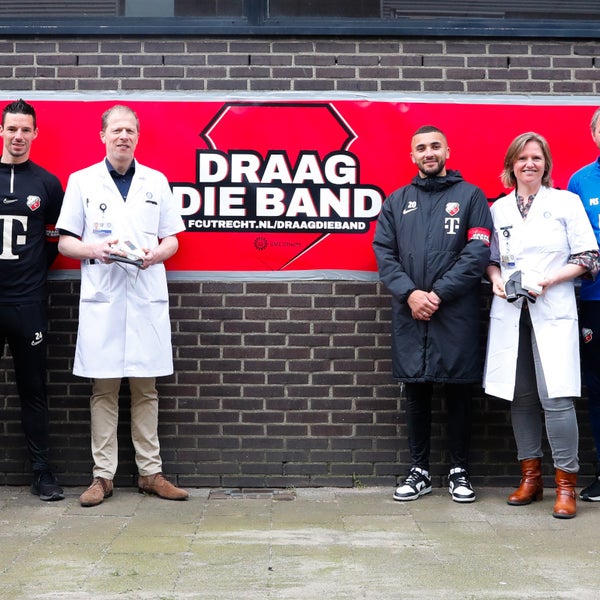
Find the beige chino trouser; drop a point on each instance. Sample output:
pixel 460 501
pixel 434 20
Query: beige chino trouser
pixel 104 409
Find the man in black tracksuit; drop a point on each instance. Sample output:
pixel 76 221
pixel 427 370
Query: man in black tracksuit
pixel 30 201
pixel 432 248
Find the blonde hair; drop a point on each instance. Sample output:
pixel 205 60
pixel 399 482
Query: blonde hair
pixel 595 118
pixel 116 108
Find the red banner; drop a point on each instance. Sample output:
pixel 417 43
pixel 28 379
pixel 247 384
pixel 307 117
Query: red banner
pixel 295 186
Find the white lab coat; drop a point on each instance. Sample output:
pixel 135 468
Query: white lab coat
pixel 556 227
pixel 124 327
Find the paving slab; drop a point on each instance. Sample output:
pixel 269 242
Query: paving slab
pixel 302 544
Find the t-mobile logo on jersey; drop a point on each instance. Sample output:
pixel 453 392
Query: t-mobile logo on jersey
pixel 451 225
pixel 10 226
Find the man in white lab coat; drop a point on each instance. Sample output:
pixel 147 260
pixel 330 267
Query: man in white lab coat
pixel 119 218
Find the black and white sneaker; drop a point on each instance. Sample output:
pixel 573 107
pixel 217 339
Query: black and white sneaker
pixel 591 493
pixel 459 486
pixel 46 487
pixel 417 483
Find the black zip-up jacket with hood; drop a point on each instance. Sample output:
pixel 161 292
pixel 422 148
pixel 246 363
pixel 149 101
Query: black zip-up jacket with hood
pixel 433 235
pixel 30 201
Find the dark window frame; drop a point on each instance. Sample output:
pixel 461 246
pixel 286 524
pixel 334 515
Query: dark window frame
pixel 255 22
pixel 412 28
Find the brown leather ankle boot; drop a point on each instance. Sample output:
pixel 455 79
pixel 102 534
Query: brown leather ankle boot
pixel 566 503
pixel 532 486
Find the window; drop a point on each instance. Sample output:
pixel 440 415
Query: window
pixel 359 9
pixel 493 9
pixel 464 18
pixel 35 9
pixel 209 8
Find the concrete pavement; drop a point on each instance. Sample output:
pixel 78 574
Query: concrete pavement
pixel 309 544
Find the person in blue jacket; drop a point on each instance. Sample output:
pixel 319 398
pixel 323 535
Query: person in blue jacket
pixel 586 184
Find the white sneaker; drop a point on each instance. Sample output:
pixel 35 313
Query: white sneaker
pixel 459 486
pixel 417 483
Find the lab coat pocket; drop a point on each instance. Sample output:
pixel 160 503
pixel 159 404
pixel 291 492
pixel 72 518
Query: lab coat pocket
pixel 560 305
pixel 149 218
pixel 95 282
pixel 152 285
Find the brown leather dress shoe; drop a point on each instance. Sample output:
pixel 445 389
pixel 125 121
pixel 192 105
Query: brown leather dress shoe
pixel 99 489
pixel 157 484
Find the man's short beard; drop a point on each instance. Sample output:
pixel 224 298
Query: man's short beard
pixel 436 172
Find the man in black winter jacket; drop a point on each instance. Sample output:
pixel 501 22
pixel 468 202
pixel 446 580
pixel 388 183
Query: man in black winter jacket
pixel 30 201
pixel 432 248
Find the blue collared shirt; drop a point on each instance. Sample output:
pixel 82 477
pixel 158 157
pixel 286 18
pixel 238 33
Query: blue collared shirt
pixel 123 182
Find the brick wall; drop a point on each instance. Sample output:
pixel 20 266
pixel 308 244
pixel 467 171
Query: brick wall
pixel 514 66
pixel 276 383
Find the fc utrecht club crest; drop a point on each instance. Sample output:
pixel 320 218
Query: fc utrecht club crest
pixel 452 208
pixel 34 202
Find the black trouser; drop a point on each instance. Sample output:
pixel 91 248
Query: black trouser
pixel 24 328
pixel 589 327
pixel 418 415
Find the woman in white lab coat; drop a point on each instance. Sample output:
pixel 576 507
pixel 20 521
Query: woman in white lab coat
pixel 543 235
